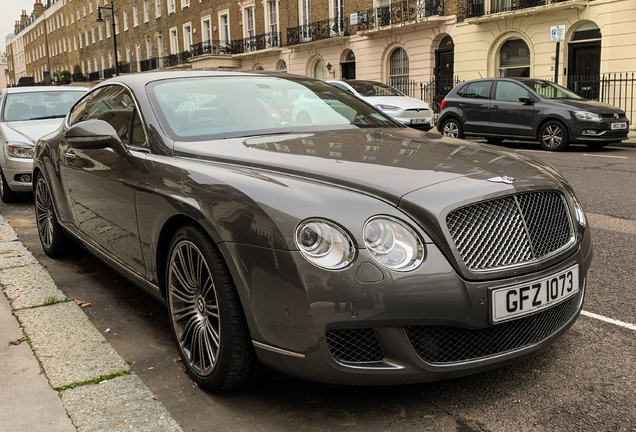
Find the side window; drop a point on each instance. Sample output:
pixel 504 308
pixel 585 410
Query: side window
pixel 509 91
pixel 479 89
pixel 115 106
pixel 77 114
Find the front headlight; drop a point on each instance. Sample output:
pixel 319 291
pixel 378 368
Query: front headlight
pixel 324 244
pixel 578 209
pixel 585 115
pixel 393 244
pixel 387 107
pixel 20 150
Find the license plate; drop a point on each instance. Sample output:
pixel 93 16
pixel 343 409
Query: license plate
pixel 621 125
pixel 418 121
pixel 527 298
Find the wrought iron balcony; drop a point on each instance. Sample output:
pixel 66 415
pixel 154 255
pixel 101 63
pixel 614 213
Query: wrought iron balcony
pixel 318 30
pixel 477 8
pixel 176 59
pixel 398 13
pixel 216 47
pixel 261 42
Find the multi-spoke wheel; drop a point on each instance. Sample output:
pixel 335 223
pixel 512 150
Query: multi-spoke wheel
pixel 553 136
pixel 452 128
pixel 206 313
pixel 54 240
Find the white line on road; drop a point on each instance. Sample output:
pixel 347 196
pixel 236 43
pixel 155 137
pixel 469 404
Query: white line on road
pixel 605 156
pixel 609 320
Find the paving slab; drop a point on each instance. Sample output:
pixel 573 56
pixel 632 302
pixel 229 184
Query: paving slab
pixel 114 405
pixel 14 254
pixel 28 402
pixel 69 347
pixel 29 286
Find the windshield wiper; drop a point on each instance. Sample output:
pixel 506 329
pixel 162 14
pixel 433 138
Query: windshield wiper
pixel 48 117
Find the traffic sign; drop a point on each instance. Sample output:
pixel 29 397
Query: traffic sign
pixel 557 33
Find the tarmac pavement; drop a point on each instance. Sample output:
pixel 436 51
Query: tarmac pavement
pixel 57 371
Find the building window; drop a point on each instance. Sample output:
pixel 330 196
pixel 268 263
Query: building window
pixel 249 20
pixel 100 31
pixel 281 66
pixel 399 70
pixel 305 16
pixel 185 3
pixel 174 41
pixel 172 6
pixel 157 8
pixel 187 37
pixel 319 70
pixel 514 59
pixel 116 24
pixel 135 16
pixel 148 48
pixel 125 20
pixel 272 14
pixel 206 27
pixel 160 50
pixel 224 24
pixel 338 17
pixel 146 11
pixel 108 26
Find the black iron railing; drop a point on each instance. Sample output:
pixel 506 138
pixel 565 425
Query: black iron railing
pixel 432 92
pixel 261 42
pixel 398 13
pixel 176 59
pixel 477 8
pixel 148 64
pixel 216 47
pixel 93 76
pixel 318 30
pixel 109 73
pixel 124 68
pixel 614 89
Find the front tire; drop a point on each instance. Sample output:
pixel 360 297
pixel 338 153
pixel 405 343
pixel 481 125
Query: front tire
pixel 53 239
pixel 452 128
pixel 553 136
pixel 6 194
pixel 205 311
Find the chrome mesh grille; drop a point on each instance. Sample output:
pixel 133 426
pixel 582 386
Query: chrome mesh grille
pixel 355 346
pixel 444 344
pixel 510 230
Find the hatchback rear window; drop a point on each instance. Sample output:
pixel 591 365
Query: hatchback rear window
pixel 480 89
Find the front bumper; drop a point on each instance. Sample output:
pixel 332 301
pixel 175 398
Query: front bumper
pixel 16 170
pixel 585 132
pixel 366 326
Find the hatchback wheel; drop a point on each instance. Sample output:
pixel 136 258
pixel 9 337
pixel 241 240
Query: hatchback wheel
pixel 54 241
pixel 553 136
pixel 6 194
pixel 206 314
pixel 452 128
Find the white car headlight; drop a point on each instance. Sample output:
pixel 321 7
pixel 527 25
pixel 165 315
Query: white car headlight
pixel 387 107
pixel 393 244
pixel 20 151
pixel 585 115
pixel 324 244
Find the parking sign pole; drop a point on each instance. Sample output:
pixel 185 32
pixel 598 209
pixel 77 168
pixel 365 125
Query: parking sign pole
pixel 556 63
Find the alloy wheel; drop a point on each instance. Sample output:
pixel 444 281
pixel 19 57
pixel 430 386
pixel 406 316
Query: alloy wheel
pixel 552 136
pixel 451 129
pixel 44 213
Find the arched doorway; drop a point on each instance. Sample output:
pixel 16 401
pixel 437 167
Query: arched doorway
pixel 318 70
pixel 444 68
pixel 584 60
pixel 348 65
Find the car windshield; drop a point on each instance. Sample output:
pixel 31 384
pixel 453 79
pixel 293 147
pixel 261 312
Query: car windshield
pixel 550 90
pixel 370 88
pixel 39 105
pixel 201 108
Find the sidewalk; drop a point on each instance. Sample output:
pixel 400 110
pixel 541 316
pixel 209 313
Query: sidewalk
pixel 57 372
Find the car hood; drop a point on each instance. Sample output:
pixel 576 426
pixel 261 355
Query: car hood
pixel 403 102
pixel 589 105
pixel 28 132
pixel 386 163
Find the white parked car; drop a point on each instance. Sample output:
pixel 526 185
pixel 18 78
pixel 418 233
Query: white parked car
pixel 26 115
pixel 404 109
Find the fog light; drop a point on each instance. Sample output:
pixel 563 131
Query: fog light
pixel 25 178
pixel 590 132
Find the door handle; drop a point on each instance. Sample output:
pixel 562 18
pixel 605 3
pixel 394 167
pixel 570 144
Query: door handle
pixel 494 107
pixel 70 157
pixel 462 105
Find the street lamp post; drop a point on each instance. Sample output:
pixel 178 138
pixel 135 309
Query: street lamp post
pixel 101 20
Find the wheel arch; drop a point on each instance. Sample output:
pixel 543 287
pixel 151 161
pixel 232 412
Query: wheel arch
pixel 547 119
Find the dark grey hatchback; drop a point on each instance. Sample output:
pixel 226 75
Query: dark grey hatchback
pixel 529 109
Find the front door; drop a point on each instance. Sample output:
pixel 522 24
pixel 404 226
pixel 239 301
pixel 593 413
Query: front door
pixel 584 67
pixel 508 115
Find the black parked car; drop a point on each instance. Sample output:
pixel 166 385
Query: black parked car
pixel 529 109
pixel 338 246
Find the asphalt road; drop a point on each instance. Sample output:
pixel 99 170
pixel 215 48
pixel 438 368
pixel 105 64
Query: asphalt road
pixel 584 382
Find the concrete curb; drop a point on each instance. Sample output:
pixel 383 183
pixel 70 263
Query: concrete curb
pixel 70 353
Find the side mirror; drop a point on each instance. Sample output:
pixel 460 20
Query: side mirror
pixel 95 134
pixel 527 100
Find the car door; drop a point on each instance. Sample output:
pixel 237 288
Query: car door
pixel 508 115
pixel 101 186
pixel 474 107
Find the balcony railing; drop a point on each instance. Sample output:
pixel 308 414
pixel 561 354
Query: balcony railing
pixel 477 8
pixel 176 59
pixel 261 42
pixel 148 64
pixel 216 47
pixel 398 13
pixel 93 76
pixel 318 30
pixel 124 67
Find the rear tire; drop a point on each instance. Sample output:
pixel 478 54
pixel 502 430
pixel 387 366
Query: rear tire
pixel 206 315
pixel 54 240
pixel 6 194
pixel 553 136
pixel 452 128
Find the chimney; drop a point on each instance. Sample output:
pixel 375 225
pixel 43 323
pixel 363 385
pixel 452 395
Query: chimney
pixel 38 8
pixel 23 19
pixel 17 27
